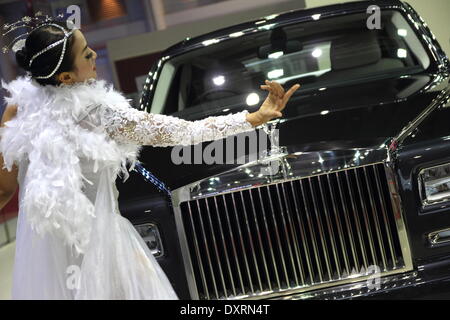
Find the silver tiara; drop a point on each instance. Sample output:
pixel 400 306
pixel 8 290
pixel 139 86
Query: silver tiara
pixel 54 44
pixel 25 23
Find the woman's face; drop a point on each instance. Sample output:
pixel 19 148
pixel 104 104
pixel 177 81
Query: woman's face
pixel 84 61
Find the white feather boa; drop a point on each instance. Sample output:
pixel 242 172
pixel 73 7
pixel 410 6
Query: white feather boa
pixel 46 131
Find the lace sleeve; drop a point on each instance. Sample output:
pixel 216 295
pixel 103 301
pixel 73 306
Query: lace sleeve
pixel 128 125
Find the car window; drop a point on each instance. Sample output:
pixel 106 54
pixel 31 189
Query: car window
pixel 226 76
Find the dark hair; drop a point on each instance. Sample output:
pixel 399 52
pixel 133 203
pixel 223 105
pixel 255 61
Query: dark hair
pixel 44 64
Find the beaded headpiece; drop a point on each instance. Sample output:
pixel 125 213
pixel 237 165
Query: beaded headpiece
pixel 34 23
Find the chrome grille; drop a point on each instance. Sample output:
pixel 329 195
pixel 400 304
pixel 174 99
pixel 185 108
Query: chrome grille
pixel 293 235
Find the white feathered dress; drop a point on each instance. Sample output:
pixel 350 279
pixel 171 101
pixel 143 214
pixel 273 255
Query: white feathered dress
pixel 70 142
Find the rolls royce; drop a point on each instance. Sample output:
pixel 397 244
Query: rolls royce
pixel 359 203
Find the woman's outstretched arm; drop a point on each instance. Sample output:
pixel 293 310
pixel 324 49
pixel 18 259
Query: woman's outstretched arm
pixel 128 125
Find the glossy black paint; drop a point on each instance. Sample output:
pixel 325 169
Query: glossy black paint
pixel 365 114
pixel 426 146
pixel 159 212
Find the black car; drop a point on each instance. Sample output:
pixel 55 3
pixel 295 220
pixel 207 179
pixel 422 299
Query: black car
pixel 357 203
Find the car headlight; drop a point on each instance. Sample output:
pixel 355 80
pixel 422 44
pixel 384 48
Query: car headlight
pixel 434 184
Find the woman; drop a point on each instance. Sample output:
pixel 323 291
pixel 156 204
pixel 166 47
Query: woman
pixel 64 138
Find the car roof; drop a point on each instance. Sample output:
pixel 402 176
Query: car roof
pixel 284 18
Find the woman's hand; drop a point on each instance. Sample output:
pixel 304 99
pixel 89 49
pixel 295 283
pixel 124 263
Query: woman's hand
pixel 273 105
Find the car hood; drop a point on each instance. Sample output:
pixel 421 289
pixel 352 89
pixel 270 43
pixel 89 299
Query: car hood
pixel 350 116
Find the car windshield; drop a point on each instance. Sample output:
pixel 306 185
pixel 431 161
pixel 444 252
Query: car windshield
pixel 226 76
